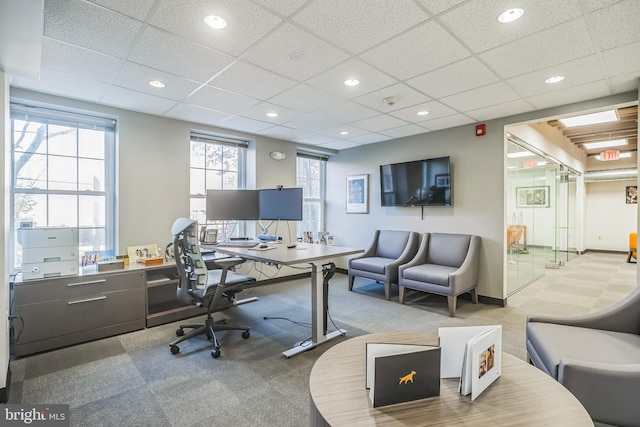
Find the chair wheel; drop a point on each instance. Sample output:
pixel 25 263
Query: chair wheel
pixel 246 334
pixel 215 353
pixel 175 349
pixel 179 332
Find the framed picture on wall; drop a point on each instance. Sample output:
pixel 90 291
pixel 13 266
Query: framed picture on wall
pixel 532 197
pixel 357 194
pixel 632 194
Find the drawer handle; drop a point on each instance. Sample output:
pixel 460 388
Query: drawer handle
pixel 52 259
pixel 93 282
pixel 87 300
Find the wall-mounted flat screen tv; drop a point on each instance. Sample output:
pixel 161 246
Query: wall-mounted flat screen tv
pixel 283 204
pixel 232 205
pixel 416 183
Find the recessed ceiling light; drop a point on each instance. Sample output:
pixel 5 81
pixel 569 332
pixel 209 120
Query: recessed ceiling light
pixel 604 144
pixel 157 83
pixel 295 56
pixel 352 82
pixel 519 154
pixel 590 119
pixel 422 113
pixel 215 22
pixel 510 15
pixel 554 79
pixel 272 114
pixel 344 132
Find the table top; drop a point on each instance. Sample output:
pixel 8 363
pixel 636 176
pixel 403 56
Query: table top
pixel 281 254
pixel 523 395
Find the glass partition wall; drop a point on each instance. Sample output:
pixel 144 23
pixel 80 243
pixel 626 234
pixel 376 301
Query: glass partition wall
pixel 541 229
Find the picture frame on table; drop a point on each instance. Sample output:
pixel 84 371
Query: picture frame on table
pixel 357 194
pixel 532 197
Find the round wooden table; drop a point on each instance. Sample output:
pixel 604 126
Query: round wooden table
pixel 523 395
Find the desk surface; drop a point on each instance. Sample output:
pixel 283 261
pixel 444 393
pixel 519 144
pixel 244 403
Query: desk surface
pixel 302 253
pixel 523 395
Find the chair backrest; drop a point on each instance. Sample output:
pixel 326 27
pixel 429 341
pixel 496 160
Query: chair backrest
pixel 391 243
pixel 192 270
pixel 448 249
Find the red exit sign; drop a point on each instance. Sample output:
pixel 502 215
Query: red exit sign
pixel 610 155
pixel 530 163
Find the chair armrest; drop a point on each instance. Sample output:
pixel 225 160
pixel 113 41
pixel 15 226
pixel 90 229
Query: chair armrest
pixel 624 316
pixel 466 277
pixel 615 398
pixel 229 262
pixel 371 248
pixel 408 253
pixel 420 256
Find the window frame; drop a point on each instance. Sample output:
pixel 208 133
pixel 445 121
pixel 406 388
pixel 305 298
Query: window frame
pixel 321 200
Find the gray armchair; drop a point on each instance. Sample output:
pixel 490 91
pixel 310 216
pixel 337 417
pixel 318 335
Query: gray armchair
pixel 446 264
pixel 595 356
pixel 388 250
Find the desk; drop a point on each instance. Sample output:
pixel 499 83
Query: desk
pixel 302 254
pixel 523 395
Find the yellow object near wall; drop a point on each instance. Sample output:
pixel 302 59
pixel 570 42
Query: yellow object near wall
pixel 633 246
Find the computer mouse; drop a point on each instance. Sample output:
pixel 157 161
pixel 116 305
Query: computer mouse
pixel 263 246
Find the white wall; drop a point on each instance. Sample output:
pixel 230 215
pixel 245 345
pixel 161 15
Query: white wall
pixel 5 182
pixel 608 217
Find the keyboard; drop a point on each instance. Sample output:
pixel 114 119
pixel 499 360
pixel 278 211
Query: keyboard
pixel 237 244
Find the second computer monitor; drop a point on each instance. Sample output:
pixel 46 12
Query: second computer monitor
pixel 238 205
pixel 283 204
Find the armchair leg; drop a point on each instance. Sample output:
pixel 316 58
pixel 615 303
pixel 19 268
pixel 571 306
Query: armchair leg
pixel 402 293
pixel 351 279
pixel 474 295
pixel 387 290
pixel 451 300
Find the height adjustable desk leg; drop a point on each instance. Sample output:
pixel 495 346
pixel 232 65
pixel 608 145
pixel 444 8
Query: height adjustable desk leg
pixel 319 297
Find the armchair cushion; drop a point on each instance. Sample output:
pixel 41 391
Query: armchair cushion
pixel 373 264
pixel 429 273
pixel 448 249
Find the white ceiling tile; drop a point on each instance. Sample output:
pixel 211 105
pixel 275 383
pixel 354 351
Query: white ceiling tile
pixel 247 79
pixel 370 138
pixel 193 113
pixel 380 122
pixel 70 59
pixel 438 6
pixel 246 22
pixel 220 100
pixel 541 50
pixel 406 97
pixel 90 26
pixel 167 52
pixel 64 85
pixel 623 60
pixel 418 51
pixel 137 77
pixel 283 7
pixel 259 112
pixel 312 123
pixel 481 97
pixel 136 101
pixel 476 22
pixel 500 110
pixel 138 9
pixel 435 109
pixel 339 145
pixel 305 98
pixel 274 51
pixel 403 131
pixel 598 4
pixel 463 75
pixel 446 122
pixel 356 25
pixel 584 92
pixel 347 112
pixel 333 80
pixel 335 132
pixel 617 25
pixel 282 132
pixel 244 124
pixel 313 139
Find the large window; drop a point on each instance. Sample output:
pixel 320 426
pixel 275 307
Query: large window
pixel 63 175
pixel 216 164
pixel 311 172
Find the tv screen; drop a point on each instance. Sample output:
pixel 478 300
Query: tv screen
pixel 416 183
pixel 281 204
pixel 239 205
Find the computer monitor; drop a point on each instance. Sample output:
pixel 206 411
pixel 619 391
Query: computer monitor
pixel 238 205
pixel 281 204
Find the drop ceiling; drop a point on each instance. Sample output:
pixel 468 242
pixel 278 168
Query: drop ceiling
pixel 451 58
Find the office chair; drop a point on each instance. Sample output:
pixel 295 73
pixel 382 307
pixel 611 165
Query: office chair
pixel 214 289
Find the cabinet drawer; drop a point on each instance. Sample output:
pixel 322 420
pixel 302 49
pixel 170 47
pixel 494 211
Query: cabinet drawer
pixel 76 286
pixel 63 253
pixel 67 316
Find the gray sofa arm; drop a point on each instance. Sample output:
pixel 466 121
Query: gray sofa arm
pixel 467 275
pixel 624 316
pixel 615 398
pixel 419 257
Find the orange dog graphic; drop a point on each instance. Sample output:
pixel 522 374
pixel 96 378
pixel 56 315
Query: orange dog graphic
pixel 407 378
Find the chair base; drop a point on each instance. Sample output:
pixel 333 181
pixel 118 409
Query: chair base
pixel 208 328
